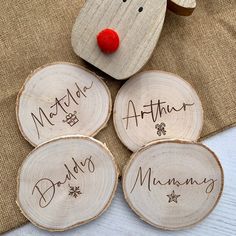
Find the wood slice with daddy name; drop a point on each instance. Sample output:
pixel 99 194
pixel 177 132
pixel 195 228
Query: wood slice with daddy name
pixel 173 184
pixel 156 105
pixel 66 182
pixel 62 99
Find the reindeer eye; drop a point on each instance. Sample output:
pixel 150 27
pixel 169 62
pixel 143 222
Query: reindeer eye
pixel 140 9
pixel 124 0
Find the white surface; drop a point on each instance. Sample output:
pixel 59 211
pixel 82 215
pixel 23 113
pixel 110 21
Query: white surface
pixel 120 220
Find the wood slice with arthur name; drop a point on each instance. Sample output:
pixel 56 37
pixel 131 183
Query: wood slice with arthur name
pixel 62 99
pixel 173 184
pixel 156 105
pixel 66 182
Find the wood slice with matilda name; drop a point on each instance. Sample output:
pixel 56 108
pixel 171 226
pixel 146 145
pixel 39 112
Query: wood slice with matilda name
pixel 66 182
pixel 182 7
pixel 173 184
pixel 156 105
pixel 138 25
pixel 62 99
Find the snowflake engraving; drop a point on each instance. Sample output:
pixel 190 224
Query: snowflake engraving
pixel 161 129
pixel 74 191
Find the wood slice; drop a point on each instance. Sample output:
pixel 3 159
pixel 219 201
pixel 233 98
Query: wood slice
pixel 182 7
pixel 138 24
pixel 156 105
pixel 66 182
pixel 62 99
pixel 173 184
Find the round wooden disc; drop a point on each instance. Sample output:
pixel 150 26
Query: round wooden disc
pixel 157 105
pixel 173 184
pixel 66 182
pixel 62 99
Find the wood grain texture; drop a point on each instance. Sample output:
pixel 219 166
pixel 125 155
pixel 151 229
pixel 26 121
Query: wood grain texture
pixel 62 99
pixel 38 32
pixel 173 184
pixel 156 105
pixel 66 182
pixel 138 32
pixel 182 7
pixel 119 219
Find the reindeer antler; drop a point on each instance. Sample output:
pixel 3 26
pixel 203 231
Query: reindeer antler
pixel 182 7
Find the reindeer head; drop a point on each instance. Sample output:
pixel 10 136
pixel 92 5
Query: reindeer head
pixel 119 36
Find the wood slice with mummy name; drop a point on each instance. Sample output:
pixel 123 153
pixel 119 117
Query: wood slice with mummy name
pixel 156 105
pixel 173 184
pixel 182 7
pixel 66 182
pixel 62 99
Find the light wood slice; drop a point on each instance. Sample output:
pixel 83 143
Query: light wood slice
pixel 66 182
pixel 182 7
pixel 173 184
pixel 156 105
pixel 62 99
pixel 138 33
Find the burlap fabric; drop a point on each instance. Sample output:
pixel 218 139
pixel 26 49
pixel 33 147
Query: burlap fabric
pixel 200 48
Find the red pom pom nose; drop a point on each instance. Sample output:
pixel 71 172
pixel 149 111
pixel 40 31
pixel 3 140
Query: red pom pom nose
pixel 108 41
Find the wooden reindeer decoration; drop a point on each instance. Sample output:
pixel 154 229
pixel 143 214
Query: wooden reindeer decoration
pixel 118 37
